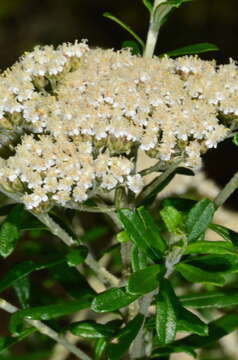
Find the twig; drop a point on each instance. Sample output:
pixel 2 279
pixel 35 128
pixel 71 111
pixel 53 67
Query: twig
pixel 159 166
pixel 93 209
pixel 46 330
pixel 137 349
pixel 226 192
pixel 159 180
pixel 105 276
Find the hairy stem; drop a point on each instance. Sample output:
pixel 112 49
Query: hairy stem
pixel 46 330
pixel 226 192
pixel 137 349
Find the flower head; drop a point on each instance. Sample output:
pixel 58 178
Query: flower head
pixel 75 117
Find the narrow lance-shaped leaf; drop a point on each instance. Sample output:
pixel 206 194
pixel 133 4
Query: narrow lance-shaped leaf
pixel 112 300
pixel 92 330
pixel 197 275
pixel 148 5
pixel 7 341
pixel 193 49
pixel 216 330
pixel 226 233
pixel 139 259
pixel 137 231
pixel 48 312
pixel 187 321
pixel 124 26
pixel 9 231
pixel 211 247
pixel 214 300
pixel 145 280
pixel 23 269
pixel 22 290
pixel 166 313
pixel 124 338
pixel 172 218
pixel 152 230
pixel 199 217
pixel 99 348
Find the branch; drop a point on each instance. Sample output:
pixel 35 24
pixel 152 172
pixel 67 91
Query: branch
pixel 105 276
pixel 226 192
pixel 159 180
pixel 46 330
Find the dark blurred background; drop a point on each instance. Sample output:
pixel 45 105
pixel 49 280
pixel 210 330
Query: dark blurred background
pixel 25 23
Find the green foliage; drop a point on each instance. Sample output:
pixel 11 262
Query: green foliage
pixel 212 299
pixel 143 231
pixel 48 312
pixel 9 231
pixel 112 300
pixel 192 49
pixel 166 313
pixel 126 27
pixel 25 268
pixel 197 275
pixel 163 248
pixel 124 338
pixel 199 218
pixel 145 280
pixel 93 330
pixel 77 256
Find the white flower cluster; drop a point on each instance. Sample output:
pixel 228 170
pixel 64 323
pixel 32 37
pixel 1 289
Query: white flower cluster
pixel 73 118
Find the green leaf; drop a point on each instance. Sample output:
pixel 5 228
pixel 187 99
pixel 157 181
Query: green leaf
pixel 92 330
pixel 140 234
pixel 162 8
pixel 124 338
pixel 22 289
pixel 187 321
pixel 199 217
pixel 217 329
pixel 122 237
pixel 235 139
pixel 23 269
pixel 48 312
pixel 112 300
pixel 133 46
pixel 77 256
pixel 196 275
pixel 145 280
pixel 152 230
pixel 166 313
pixel 7 341
pixel 148 5
pixel 214 300
pixel 139 259
pixel 126 27
pixel 193 49
pixel 217 264
pixel 99 348
pixel 173 219
pixel 226 233
pixel 9 231
pixel 211 247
